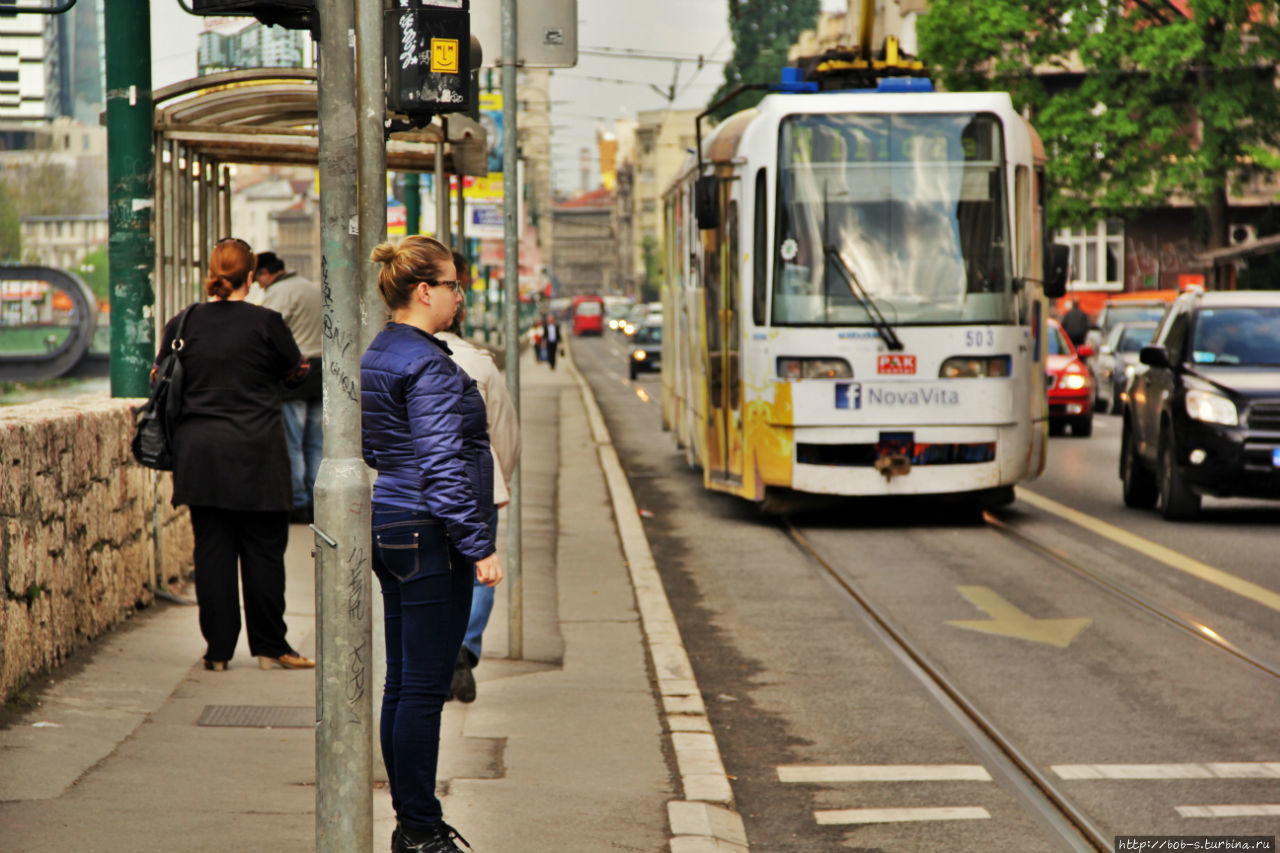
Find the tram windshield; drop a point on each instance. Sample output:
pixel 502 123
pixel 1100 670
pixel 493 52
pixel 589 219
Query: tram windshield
pixel 914 205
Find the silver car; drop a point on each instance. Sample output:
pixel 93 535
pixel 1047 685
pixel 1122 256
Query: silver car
pixel 1117 361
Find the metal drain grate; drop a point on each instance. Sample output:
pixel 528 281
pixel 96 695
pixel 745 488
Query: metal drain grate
pixel 259 716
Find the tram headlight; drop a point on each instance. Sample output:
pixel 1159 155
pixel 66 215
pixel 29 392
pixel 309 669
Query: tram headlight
pixel 792 369
pixel 971 367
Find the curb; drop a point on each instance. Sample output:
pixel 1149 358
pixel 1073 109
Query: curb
pixel 705 821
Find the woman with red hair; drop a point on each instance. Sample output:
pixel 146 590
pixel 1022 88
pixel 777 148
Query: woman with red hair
pixel 231 466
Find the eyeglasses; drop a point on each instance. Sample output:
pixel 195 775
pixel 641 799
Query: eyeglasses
pixel 457 285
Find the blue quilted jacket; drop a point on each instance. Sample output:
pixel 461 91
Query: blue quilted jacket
pixel 424 432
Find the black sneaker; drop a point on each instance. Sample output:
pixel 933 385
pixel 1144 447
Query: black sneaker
pixel 440 840
pixel 463 686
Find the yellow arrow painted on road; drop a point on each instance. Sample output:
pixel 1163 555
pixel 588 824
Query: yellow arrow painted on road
pixel 1008 621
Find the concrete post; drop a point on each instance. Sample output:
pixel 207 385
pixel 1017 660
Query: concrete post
pixel 344 797
pixel 372 181
pixel 511 205
pixel 130 195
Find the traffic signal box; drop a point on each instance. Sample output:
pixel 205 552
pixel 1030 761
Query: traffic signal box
pixel 427 44
pixel 428 60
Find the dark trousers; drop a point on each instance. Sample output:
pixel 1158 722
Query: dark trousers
pixel 426 592
pixel 256 542
pixel 552 347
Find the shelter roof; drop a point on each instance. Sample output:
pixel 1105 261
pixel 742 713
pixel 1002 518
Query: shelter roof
pixel 267 115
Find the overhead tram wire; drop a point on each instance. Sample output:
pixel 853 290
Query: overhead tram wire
pixel 631 53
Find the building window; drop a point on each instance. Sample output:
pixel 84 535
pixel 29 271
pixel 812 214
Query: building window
pixel 1097 255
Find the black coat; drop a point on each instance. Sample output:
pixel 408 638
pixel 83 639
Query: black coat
pixel 229 447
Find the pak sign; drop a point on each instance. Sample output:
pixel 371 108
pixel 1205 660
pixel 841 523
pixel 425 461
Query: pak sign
pixel 429 59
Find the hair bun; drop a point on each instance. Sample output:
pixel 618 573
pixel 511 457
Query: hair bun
pixel 383 253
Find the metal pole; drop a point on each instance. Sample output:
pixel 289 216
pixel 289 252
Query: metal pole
pixel 412 203
pixel 344 799
pixel 461 244
pixel 511 209
pixel 442 196
pixel 130 195
pixel 371 179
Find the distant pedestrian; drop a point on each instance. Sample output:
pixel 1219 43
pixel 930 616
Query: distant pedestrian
pixel 538 352
pixel 550 337
pixel 1076 323
pixel 423 425
pixel 230 463
pixel 298 301
pixel 504 440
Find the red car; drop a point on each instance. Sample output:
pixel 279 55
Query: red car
pixel 1070 384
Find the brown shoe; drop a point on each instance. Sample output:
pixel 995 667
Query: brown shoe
pixel 288 660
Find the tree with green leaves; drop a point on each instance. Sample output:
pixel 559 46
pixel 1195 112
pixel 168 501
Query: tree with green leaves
pixel 763 31
pixel 1138 103
pixel 10 227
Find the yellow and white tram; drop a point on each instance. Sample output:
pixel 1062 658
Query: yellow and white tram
pixel 855 297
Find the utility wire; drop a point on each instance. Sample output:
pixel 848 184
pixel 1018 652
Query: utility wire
pixel 629 53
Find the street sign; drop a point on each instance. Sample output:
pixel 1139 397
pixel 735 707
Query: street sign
pixel 546 32
pixel 429 60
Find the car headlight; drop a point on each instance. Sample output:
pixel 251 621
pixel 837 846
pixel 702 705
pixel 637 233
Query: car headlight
pixel 1072 382
pixel 1211 408
pixel 639 355
pixel 965 367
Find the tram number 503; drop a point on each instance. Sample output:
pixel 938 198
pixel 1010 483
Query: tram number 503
pixel 979 338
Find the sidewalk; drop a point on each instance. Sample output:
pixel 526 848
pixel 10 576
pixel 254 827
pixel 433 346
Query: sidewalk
pixel 565 750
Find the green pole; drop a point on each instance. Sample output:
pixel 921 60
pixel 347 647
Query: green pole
pixel 131 195
pixel 412 203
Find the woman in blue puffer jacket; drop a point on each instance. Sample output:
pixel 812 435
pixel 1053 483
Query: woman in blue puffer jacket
pixel 424 433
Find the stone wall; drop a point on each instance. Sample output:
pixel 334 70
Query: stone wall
pixel 77 531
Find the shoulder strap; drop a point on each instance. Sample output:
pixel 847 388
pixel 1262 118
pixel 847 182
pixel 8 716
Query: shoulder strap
pixel 176 343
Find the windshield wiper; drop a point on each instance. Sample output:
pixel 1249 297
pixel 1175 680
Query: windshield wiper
pixel 868 304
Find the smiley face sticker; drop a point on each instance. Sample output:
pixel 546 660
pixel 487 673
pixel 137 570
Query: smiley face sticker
pixel 444 56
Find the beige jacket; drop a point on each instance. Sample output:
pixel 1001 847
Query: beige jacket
pixel 504 426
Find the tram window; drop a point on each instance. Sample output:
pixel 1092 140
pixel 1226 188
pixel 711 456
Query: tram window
pixel 914 204
pixel 759 272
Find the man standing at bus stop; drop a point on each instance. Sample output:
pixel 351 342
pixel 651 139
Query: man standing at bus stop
pixel 299 302
pixel 504 440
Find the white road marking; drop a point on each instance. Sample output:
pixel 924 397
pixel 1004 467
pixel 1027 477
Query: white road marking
pixel 846 816
pixel 883 773
pixel 1243 810
pixel 1226 770
pixel 1168 556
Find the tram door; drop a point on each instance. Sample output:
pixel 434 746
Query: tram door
pixel 724 383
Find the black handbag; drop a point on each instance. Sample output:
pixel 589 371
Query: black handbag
pixel 154 421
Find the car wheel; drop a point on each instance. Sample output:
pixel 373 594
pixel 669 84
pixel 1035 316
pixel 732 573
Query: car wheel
pixel 1139 486
pixel 1056 427
pixel 1177 500
pixel 634 372
pixel 1082 427
pixel 1101 405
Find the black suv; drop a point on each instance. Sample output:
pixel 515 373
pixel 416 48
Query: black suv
pixel 1203 410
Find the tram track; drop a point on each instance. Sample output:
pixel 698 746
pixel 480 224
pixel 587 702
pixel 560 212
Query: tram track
pixel 1035 790
pixel 1133 599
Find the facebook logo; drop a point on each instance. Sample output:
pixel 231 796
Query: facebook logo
pixel 848 395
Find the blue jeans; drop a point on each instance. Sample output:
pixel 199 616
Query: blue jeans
pixel 303 425
pixel 481 601
pixel 426 591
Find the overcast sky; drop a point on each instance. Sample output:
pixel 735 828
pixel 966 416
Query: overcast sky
pixel 673 27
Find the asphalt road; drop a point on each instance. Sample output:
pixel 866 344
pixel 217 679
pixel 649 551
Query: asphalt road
pixel 1146 729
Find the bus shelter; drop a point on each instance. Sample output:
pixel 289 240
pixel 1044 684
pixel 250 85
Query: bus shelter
pixel 255 116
